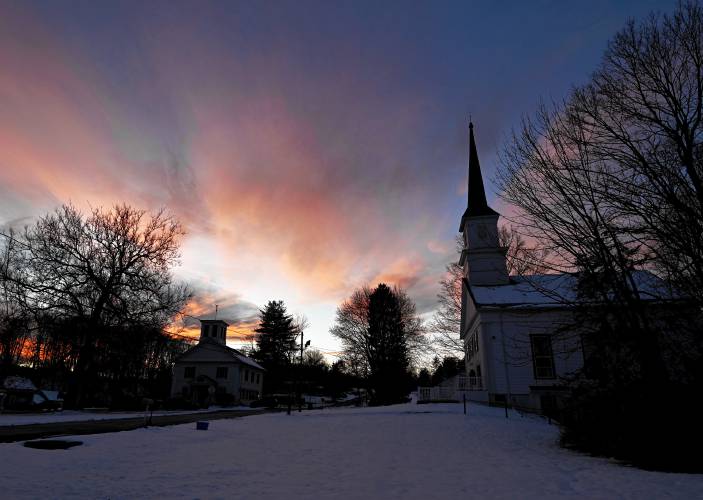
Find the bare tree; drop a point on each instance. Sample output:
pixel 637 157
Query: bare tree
pixel 314 358
pixel 14 320
pixel 106 270
pixel 609 181
pixel 616 169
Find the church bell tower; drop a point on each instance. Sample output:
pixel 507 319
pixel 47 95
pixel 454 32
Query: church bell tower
pixel 482 258
pixel 213 330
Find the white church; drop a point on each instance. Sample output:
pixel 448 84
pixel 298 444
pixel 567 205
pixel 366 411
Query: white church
pixel 513 326
pixel 211 371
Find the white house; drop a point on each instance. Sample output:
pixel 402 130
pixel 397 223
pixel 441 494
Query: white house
pixel 211 371
pixel 514 328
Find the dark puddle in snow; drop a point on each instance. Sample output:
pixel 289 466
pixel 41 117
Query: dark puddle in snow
pixel 52 444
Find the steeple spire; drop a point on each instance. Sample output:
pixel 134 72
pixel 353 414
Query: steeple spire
pixel 477 205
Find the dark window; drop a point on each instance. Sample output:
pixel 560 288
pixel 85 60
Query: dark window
pixel 189 372
pixel 542 356
pixel 221 372
pixel 246 375
pixel 472 345
pixel 257 378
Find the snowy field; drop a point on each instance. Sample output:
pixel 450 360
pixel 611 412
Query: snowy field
pixel 405 451
pixel 81 416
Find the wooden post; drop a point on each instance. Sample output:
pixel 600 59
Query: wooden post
pixel 506 406
pixel 464 403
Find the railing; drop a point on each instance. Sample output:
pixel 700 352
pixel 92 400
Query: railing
pixel 436 393
pixel 465 383
pixel 450 392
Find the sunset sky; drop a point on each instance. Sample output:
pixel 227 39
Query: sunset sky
pixel 307 147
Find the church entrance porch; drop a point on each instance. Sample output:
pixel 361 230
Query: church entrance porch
pixel 202 391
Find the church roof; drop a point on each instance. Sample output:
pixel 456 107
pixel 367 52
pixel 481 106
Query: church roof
pixel 477 205
pixel 207 343
pixel 213 320
pixel 552 290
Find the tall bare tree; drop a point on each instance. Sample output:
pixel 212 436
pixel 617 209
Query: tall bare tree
pixel 609 180
pixel 14 320
pixel 107 270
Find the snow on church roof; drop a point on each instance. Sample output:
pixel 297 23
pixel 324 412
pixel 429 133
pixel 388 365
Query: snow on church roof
pixel 556 290
pixel 246 359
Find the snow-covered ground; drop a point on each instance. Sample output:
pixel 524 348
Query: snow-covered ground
pixel 405 451
pixel 80 416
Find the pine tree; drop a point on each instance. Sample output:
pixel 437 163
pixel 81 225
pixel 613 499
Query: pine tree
pixel 388 352
pixel 275 343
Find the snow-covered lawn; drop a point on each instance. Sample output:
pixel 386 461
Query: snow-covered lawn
pixel 404 451
pixel 81 416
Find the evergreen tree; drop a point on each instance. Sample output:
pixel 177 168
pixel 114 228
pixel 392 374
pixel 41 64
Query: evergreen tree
pixel 382 335
pixel 388 352
pixel 275 343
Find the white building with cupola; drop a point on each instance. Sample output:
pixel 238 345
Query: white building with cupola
pixel 210 372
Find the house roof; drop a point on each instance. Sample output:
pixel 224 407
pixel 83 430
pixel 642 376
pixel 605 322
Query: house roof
pixel 19 384
pixel 549 290
pixel 207 343
pixel 213 320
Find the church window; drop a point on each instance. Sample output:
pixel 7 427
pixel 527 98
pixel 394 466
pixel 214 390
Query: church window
pixel 221 372
pixel 472 345
pixel 189 372
pixel 542 356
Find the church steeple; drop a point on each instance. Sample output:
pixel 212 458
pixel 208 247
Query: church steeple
pixel 477 205
pixel 483 258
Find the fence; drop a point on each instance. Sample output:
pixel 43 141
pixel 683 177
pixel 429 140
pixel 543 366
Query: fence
pixel 453 389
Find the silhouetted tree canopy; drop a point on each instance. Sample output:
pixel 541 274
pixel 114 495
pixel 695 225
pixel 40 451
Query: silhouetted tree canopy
pixel 381 336
pixel 107 274
pixel 611 182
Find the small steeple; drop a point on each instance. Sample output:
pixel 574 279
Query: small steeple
pixel 476 205
pixel 213 330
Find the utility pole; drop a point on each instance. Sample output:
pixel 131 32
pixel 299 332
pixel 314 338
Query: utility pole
pixel 300 370
pixel 302 338
pixel 303 345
